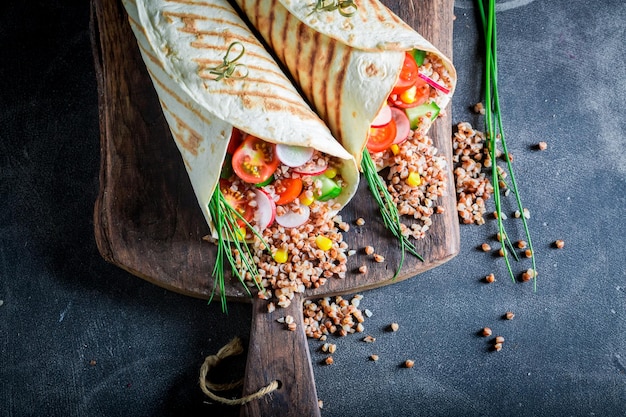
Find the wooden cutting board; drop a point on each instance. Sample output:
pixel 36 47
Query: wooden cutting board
pixel 147 219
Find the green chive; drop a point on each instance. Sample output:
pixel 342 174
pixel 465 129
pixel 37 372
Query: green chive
pixel 494 129
pixel 387 207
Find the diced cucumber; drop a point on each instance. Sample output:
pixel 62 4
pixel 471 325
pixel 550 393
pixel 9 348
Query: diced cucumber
pixel 418 56
pixel 330 188
pixel 414 113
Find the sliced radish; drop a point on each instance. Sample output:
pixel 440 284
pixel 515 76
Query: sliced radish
pixel 434 83
pixel 403 126
pixel 265 209
pixel 383 117
pixel 293 219
pixel 312 168
pixel 294 156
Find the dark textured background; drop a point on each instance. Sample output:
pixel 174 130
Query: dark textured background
pixel 562 80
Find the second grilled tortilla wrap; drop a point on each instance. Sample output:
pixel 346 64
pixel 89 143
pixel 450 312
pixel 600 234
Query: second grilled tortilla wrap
pixel 180 41
pixel 345 66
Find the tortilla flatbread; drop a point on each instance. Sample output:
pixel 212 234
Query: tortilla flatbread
pixel 345 66
pixel 180 43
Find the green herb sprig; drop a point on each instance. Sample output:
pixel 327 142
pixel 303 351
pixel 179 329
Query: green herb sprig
pixel 494 131
pixel 228 67
pixel 230 243
pixel 387 207
pixel 346 8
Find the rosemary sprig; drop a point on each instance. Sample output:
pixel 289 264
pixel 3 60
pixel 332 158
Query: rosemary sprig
pixel 230 243
pixel 228 67
pixel 346 8
pixel 388 209
pixel 495 131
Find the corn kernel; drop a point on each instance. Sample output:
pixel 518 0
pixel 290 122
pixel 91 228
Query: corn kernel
pixel 408 96
pixel 241 234
pixel 304 199
pixel 395 149
pixel 330 173
pixel 413 179
pixel 281 256
pixel 323 242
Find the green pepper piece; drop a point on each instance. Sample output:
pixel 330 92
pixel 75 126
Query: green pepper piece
pixel 418 56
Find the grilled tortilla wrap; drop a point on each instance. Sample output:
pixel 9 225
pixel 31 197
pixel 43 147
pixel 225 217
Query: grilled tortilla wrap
pixel 179 42
pixel 345 66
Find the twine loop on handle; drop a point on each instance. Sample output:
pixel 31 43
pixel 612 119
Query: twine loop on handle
pixel 233 348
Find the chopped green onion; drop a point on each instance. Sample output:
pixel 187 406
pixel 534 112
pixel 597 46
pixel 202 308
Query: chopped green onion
pixel 228 67
pixel 494 131
pixel 388 209
pixel 230 244
pixel 346 8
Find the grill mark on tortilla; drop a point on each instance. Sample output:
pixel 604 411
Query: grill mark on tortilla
pixel 305 62
pixel 341 75
pixel 207 63
pixel 189 19
pixel 301 29
pixel 261 83
pixel 291 24
pixel 281 76
pixel 257 11
pixel 283 40
pixel 175 96
pixel 378 11
pixel 202 4
pixel 330 51
pixel 272 102
pixel 391 15
pixel 191 143
pixel 362 10
pixel 270 34
pixel 198 44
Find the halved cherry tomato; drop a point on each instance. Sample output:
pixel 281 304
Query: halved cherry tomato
pixel 236 138
pixel 287 189
pixel 237 200
pixel 381 137
pixel 408 75
pixel 413 97
pixel 255 160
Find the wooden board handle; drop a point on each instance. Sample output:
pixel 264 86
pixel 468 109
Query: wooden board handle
pixel 278 354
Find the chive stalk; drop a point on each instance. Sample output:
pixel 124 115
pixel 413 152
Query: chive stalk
pixel 387 207
pixel 231 245
pixel 494 131
pixel 228 66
